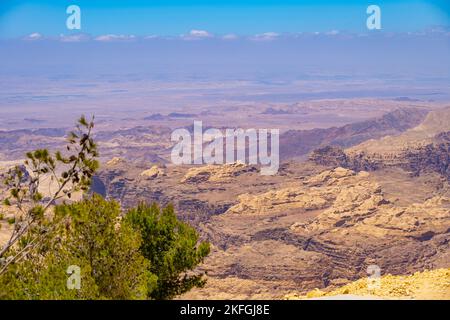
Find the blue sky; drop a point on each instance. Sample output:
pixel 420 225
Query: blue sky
pixel 244 17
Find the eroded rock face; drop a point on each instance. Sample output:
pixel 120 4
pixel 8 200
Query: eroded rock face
pixel 423 148
pixel 216 173
pixel 365 213
pixel 330 176
pixel 362 227
pixel 351 225
pixel 318 192
pixel 310 228
pixel 430 284
pixel 279 200
pixel 296 143
pixel 115 161
pixel 152 173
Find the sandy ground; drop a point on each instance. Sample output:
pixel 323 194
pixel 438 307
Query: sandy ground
pixel 427 285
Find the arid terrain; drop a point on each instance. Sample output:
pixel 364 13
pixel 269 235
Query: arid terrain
pixel 371 189
pixel 276 149
pixel 426 285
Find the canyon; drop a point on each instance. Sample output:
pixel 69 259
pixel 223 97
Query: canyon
pixel 374 192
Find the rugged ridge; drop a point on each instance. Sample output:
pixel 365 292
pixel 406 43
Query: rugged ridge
pixel 429 284
pixel 274 239
pixel 297 143
pixel 423 148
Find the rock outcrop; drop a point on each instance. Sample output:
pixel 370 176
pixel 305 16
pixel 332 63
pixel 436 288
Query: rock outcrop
pixel 152 173
pixel 318 192
pixel 323 233
pixel 312 227
pixel 115 161
pixel 216 173
pixel 297 143
pixel 423 148
pixel 429 284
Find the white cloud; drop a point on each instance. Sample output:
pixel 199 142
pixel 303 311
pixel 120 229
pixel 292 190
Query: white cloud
pixel 115 37
pixel 200 34
pixel 438 29
pixel 152 36
pixel 230 36
pixel 267 36
pixel 74 37
pixel 33 36
pixel 197 34
pixel 332 33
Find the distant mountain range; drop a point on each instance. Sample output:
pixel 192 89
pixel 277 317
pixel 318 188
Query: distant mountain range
pixel 298 143
pixel 425 147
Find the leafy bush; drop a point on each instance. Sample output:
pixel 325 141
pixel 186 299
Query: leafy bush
pixel 171 246
pixel 147 254
pixel 89 235
pixel 77 165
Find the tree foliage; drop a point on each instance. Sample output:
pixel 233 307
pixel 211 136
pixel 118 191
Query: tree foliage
pixel 70 172
pixel 92 238
pixel 149 254
pixel 171 246
pixel 145 254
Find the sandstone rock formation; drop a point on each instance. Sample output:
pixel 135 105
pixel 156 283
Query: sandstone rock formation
pixel 216 173
pixel 115 161
pixel 308 227
pixel 429 284
pixel 276 241
pixel 152 173
pixel 318 192
pixel 423 148
pixel 296 143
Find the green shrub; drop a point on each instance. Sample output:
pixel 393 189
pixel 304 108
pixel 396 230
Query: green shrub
pixel 171 246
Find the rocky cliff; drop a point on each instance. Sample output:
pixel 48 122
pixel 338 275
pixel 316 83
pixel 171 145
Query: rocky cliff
pixel 297 143
pixel 421 149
